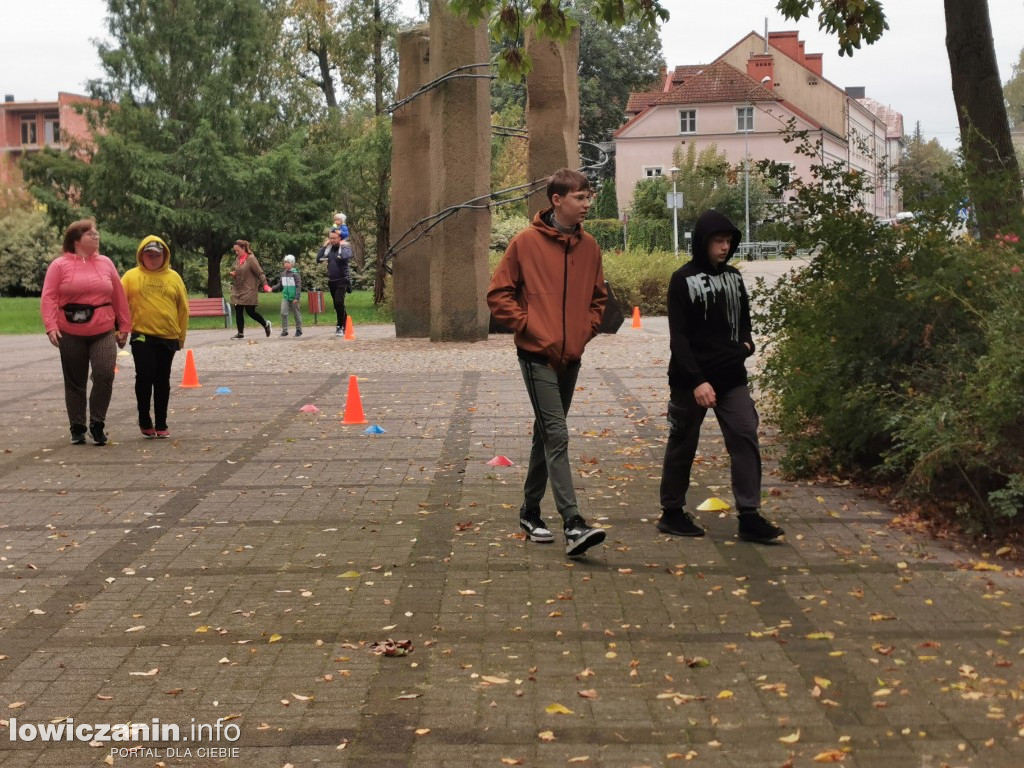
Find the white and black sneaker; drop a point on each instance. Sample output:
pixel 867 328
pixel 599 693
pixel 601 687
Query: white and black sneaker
pixel 339 331
pixel 579 537
pixel 268 327
pixel 530 521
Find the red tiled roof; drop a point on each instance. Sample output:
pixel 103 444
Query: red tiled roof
pixel 718 82
pixel 638 102
pixel 685 71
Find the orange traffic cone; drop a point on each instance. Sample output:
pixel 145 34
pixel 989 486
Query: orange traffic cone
pixel 353 405
pixel 349 330
pixel 190 380
pixel 636 318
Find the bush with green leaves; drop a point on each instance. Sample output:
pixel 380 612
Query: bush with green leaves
pixel 28 243
pixel 892 355
pixel 607 232
pixel 640 278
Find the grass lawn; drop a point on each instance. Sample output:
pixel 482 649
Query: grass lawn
pixel 21 315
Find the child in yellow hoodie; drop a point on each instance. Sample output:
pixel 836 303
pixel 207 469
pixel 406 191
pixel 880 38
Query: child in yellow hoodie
pixel 159 305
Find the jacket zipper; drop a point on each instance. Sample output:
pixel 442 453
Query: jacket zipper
pixel 565 293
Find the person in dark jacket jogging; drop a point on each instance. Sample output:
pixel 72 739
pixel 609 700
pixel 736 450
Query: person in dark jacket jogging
pixel 710 340
pixel 549 287
pixel 337 254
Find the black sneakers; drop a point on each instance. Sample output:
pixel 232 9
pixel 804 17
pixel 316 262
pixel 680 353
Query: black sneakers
pixel 678 522
pixel 755 528
pixel 298 332
pixel 531 522
pixel 285 332
pixel 77 434
pixel 579 537
pixel 267 328
pixel 98 436
pixel 238 336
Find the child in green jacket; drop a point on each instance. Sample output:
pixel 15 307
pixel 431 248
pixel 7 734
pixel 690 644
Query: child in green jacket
pixel 290 285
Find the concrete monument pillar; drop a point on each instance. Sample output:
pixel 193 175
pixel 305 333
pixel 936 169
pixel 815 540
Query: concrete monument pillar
pixel 410 180
pixel 460 157
pixel 552 109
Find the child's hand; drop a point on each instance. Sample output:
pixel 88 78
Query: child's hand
pixel 266 288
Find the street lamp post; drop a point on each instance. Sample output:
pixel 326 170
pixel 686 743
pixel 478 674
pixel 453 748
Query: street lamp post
pixel 675 210
pixel 746 162
pixel 746 177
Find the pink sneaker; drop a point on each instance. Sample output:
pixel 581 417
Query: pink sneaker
pixel 148 432
pixel 161 433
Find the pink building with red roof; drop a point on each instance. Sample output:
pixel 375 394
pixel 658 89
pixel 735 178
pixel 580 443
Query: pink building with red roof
pixel 29 126
pixel 742 100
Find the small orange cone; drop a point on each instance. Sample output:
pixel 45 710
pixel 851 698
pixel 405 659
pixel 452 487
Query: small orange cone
pixel 636 318
pixel 190 380
pixel 350 333
pixel 353 405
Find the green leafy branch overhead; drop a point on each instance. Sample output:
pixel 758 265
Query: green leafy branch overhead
pixel 508 21
pixel 852 21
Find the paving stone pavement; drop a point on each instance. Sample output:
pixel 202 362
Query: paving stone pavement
pixel 242 569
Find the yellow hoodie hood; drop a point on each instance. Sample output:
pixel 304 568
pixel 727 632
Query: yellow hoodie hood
pixel 142 246
pixel 157 298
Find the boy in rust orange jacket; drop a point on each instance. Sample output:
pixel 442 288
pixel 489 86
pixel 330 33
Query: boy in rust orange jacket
pixel 549 288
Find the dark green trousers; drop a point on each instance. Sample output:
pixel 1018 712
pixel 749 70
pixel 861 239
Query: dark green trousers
pixel 550 395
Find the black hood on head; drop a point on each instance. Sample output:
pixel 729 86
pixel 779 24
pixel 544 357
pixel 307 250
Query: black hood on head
pixel 709 223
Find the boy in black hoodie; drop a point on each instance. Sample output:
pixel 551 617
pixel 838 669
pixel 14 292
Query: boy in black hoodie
pixel 709 336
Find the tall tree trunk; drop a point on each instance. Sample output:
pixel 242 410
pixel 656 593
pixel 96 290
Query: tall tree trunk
pixel 326 82
pixel 381 208
pixel 382 214
pixel 378 60
pixel 214 255
pixel 992 172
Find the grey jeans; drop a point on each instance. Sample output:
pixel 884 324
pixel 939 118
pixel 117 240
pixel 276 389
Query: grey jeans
pixel 739 421
pixel 293 308
pixel 550 395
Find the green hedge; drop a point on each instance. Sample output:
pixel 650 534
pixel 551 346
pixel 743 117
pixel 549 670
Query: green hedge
pixel 607 232
pixel 650 234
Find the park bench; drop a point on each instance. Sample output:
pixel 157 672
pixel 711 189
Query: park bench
pixel 210 308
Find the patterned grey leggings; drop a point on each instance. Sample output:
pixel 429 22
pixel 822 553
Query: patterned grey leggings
pixel 77 354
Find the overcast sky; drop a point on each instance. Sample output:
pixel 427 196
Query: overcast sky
pixel 49 46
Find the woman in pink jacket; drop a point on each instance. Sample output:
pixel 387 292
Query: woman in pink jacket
pixel 85 312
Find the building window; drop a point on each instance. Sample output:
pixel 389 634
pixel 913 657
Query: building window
pixel 744 119
pixel 51 128
pixel 652 171
pixel 28 129
pixel 687 120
